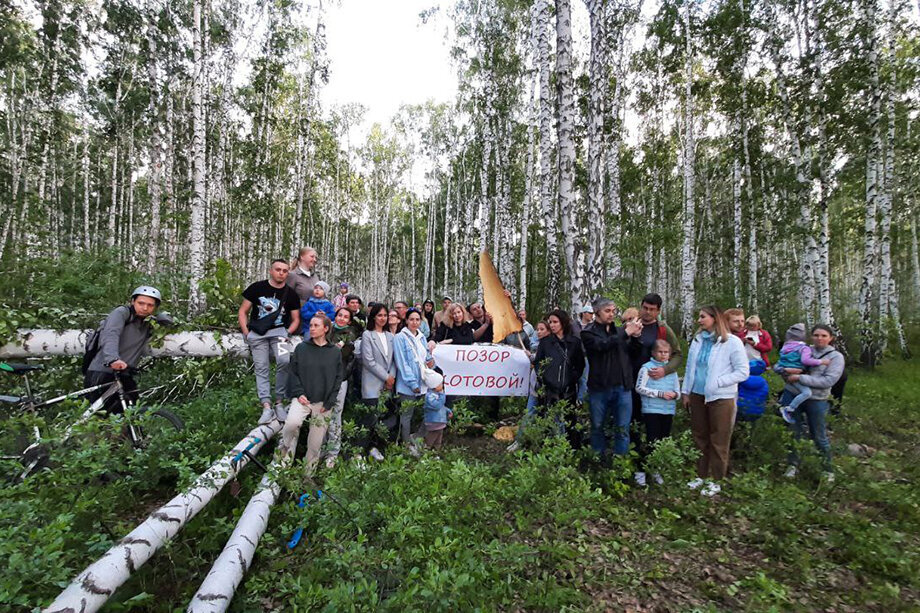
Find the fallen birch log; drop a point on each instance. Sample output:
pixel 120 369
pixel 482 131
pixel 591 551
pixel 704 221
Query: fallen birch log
pixel 35 343
pixel 93 587
pixel 227 573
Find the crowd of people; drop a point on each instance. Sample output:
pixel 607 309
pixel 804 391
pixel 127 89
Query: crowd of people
pixel 622 367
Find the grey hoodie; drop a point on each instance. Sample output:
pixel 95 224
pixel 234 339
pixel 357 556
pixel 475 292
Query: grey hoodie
pixel 124 337
pixel 822 378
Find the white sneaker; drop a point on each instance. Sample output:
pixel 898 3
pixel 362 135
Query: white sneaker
pixel 330 462
pixel 513 447
pixel 375 453
pixel 640 479
pixel 657 478
pixel 788 414
pixel 281 412
pixel 711 489
pixel 695 484
pixel 268 414
pixel 791 472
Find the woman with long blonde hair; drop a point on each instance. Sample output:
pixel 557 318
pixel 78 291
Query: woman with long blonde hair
pixel 716 364
pixel 303 275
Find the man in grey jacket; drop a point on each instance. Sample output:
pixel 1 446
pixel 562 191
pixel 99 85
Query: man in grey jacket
pixel 820 379
pixel 123 340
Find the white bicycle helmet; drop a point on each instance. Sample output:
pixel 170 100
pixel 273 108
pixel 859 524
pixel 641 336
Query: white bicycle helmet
pixel 147 290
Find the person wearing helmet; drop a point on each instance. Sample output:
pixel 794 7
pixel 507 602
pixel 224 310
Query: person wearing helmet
pixel 124 338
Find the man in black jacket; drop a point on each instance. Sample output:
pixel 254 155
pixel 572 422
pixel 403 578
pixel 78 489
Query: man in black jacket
pixel 610 375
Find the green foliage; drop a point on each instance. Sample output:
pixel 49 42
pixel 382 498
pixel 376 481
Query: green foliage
pixel 542 529
pixel 223 294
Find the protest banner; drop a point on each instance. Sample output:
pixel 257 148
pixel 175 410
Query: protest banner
pixel 483 369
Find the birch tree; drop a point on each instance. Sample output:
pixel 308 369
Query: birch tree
pixel 199 198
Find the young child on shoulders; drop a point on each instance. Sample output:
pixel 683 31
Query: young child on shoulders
pixel 317 303
pixel 752 331
pixel 659 400
pixel 436 412
pixel 795 358
pixel 629 314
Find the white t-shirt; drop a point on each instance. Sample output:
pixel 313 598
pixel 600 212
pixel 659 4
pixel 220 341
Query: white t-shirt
pixel 383 344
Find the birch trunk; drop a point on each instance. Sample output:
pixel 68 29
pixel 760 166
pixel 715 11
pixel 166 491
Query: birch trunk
pixel 226 574
pixel 688 253
pixel 484 201
pixel 867 314
pixel 888 292
pixel 915 257
pixel 599 84
pixel 529 183
pixel 97 583
pixel 543 51
pixel 565 130
pixel 736 230
pixel 615 98
pixel 754 229
pixel 199 197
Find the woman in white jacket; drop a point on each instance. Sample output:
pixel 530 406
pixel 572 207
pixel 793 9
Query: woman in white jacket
pixel 716 364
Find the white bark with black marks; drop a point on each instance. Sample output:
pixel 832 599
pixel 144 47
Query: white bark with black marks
pixel 90 590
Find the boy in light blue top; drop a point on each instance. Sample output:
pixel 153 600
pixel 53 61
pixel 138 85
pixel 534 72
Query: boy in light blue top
pixel 659 402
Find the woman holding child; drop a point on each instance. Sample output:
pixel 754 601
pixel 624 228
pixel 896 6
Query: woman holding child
pixel 818 380
pixel 716 363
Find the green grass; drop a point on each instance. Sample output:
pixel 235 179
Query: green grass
pixel 478 529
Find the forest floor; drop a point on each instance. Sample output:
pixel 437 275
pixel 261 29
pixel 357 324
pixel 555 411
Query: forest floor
pixel 475 528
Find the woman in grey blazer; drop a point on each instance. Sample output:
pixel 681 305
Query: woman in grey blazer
pixel 378 377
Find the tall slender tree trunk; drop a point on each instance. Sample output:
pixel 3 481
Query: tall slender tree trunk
pixel 543 56
pixel 867 314
pixel 484 200
pixel 889 308
pixel 753 218
pixel 156 164
pixel 736 230
pixel 688 253
pixel 565 130
pixel 599 84
pixel 914 256
pixel 199 192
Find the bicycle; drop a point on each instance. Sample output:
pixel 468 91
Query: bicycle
pixel 37 454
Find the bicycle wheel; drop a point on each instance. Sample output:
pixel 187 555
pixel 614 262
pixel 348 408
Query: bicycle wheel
pixel 152 424
pixel 34 459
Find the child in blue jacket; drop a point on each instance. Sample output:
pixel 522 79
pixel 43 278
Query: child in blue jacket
pixel 436 411
pixel 314 305
pixel 659 400
pixel 753 393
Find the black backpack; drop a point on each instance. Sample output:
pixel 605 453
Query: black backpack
pixel 92 342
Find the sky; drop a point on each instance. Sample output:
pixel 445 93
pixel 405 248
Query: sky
pixel 382 55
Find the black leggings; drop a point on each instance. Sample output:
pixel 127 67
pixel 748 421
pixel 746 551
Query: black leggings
pixel 657 427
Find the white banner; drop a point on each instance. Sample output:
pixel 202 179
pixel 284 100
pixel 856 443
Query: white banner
pixel 483 370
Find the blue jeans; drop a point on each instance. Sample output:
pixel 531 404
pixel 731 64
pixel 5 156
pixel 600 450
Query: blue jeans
pixel 814 413
pixel 616 402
